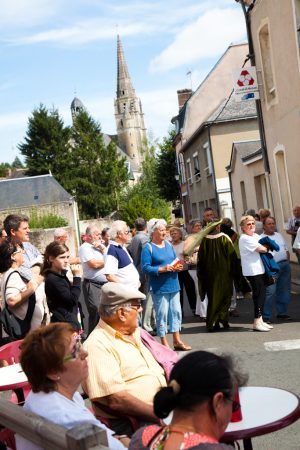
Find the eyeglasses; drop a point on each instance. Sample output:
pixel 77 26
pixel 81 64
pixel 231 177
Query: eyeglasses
pixel 75 353
pixel 136 306
pixel 250 224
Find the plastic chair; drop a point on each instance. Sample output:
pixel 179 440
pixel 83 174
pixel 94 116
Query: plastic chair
pixel 7 436
pixel 11 353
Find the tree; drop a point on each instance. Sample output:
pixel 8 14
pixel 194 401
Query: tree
pixel 142 199
pixel 44 146
pixel 95 173
pixel 166 169
pixel 17 163
pixel 3 169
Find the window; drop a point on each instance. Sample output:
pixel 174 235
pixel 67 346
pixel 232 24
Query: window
pixel 194 210
pixel 189 171
pixel 196 167
pixel 243 194
pixel 283 184
pixel 261 192
pixel 181 168
pixel 207 159
pixel 266 59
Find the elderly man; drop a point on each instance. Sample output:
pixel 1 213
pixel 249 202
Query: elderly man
pixel 60 235
pixel 279 292
pixel 119 267
pixel 92 260
pixel 293 227
pixel 123 374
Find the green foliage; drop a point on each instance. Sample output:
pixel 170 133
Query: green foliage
pixel 139 206
pixel 17 163
pixel 44 146
pixel 142 199
pixel 46 220
pixel 95 173
pixel 3 169
pixel 166 169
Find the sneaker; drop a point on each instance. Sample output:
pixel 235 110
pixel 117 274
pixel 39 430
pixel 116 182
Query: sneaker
pixel 284 317
pixel 259 326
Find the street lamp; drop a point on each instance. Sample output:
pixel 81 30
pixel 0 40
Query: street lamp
pixel 250 4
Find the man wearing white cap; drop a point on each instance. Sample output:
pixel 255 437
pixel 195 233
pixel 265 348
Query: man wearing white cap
pixel 123 374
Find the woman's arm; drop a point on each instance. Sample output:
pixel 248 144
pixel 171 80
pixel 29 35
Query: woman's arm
pixel 261 249
pixel 147 263
pixel 24 291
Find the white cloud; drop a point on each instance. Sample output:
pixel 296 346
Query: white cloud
pixel 26 13
pixel 204 38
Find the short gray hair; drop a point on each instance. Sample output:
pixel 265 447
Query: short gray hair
pixel 116 228
pixel 109 311
pixel 90 229
pixel 153 224
pixel 58 232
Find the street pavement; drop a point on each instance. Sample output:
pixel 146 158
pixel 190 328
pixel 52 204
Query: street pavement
pixel 256 356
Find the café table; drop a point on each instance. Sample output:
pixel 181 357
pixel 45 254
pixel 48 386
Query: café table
pixel 12 378
pixel 264 410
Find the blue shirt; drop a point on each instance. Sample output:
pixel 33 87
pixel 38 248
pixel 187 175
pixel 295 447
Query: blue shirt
pixel 154 257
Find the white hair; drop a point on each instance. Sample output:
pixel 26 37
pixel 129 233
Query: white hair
pixel 58 232
pixel 153 224
pixel 117 227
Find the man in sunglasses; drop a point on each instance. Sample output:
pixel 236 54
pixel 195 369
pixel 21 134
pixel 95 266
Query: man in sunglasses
pixel 123 374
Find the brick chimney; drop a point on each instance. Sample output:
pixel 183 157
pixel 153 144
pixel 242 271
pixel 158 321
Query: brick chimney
pixel 183 96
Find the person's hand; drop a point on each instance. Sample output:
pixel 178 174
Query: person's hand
pixel 179 267
pixel 99 245
pixel 75 269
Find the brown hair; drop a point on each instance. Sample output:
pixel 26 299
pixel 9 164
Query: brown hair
pixel 54 249
pixel 42 352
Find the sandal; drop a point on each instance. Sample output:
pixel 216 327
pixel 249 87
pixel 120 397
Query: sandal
pixel 182 347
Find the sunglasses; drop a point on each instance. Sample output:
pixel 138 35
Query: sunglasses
pixel 250 224
pixel 75 353
pixel 135 306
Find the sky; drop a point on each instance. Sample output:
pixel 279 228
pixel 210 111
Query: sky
pixel 52 50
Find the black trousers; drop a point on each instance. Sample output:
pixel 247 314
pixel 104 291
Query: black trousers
pixel 187 281
pixel 258 286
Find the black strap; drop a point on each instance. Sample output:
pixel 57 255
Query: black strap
pixel 31 302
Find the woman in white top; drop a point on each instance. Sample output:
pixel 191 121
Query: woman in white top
pixel 15 292
pixel 253 269
pixel 55 364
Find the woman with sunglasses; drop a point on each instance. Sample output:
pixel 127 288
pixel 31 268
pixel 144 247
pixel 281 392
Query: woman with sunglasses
pixel 253 269
pixel 18 295
pixel 62 295
pixel 201 395
pixel 55 364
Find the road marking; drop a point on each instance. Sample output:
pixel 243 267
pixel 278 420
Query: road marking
pixel 277 346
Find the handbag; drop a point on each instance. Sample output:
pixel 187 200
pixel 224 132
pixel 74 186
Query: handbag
pixel 13 326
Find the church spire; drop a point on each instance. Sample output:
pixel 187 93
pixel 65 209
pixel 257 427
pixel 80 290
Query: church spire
pixel 124 85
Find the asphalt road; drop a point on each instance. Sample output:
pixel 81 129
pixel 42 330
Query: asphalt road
pixel 256 355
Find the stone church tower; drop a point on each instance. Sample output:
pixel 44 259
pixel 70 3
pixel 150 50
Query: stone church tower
pixel 129 116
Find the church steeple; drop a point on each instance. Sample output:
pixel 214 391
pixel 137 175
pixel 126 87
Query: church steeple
pixel 129 116
pixel 124 85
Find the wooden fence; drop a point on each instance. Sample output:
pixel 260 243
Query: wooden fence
pixel 48 435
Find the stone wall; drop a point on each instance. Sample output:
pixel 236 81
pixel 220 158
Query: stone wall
pixel 41 238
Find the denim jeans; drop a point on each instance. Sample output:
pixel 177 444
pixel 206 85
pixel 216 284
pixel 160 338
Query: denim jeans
pixel 279 293
pixel 167 308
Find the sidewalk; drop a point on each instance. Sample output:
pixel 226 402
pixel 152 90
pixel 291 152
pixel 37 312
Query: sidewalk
pixel 295 273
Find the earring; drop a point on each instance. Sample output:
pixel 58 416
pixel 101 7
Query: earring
pixel 57 378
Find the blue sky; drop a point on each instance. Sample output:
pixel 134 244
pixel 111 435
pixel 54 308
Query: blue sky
pixel 50 49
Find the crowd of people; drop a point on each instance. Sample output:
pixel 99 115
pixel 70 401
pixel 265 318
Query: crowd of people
pixel 133 286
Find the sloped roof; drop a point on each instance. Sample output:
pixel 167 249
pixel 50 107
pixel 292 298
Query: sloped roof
pixel 131 165
pixel 229 110
pixel 246 150
pixel 31 191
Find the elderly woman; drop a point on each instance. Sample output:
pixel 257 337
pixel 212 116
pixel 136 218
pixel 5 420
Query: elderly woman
pixel 157 258
pixel 55 364
pixel 253 269
pixel 185 279
pixel 201 395
pixel 20 298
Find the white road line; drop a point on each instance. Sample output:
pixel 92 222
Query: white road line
pixel 277 346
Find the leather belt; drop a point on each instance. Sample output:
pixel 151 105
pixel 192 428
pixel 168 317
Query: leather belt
pixel 100 283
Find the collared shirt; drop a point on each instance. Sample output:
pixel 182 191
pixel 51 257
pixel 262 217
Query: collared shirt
pixel 87 252
pixel 31 255
pixel 117 364
pixel 281 255
pixel 118 262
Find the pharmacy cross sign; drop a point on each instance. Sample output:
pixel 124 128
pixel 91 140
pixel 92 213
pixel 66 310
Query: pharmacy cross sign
pixel 245 79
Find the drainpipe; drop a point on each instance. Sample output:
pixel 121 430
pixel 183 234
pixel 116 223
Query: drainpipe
pixel 213 171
